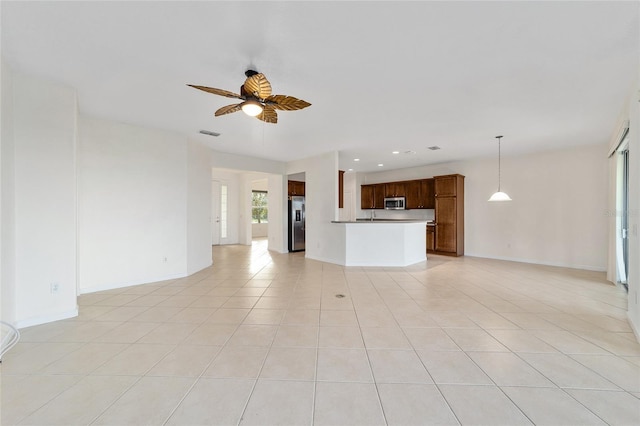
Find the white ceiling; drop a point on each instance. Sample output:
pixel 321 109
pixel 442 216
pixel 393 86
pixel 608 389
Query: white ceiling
pixel 381 76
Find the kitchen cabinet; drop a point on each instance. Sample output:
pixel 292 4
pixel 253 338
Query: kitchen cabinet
pixel 372 196
pixel 295 187
pixel 449 215
pixel 395 189
pixel 420 194
pixel 431 235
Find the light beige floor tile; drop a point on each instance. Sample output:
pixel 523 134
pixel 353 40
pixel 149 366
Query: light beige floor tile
pixel 148 300
pixel 168 333
pixel 414 318
pixel 150 401
pixel 615 408
pixel 123 313
pixel 507 369
pixel 210 334
pixel 430 339
pixel 566 372
pixel 117 300
pixel 195 290
pixel 185 361
pixel 568 343
pixel 275 303
pixel 209 301
pixel 157 314
pixel 279 402
pixel 375 318
pixel 385 338
pixel 128 332
pixel 223 292
pixel 452 319
pixel 546 406
pixel 612 342
pixel 228 316
pixel 253 335
pixel 301 317
pixel 264 316
pixel 23 397
pixel 192 315
pixel 340 337
pixel 230 396
pixel 393 366
pixel 529 321
pixel 475 340
pixel 296 336
pixel 135 360
pixel 290 364
pixel 338 318
pixel 35 356
pixel 240 302
pixel 237 362
pixel 490 320
pixel 482 405
pixel 86 332
pixel 413 404
pixel 521 341
pixel 616 369
pixel 347 404
pixel 86 359
pixel 453 368
pixel 179 301
pixel 81 403
pixel 343 365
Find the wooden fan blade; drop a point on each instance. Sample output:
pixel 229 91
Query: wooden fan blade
pixel 228 109
pixel 258 86
pixel 215 91
pixel 268 115
pixel 286 103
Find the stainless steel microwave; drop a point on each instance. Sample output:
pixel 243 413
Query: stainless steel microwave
pixel 394 203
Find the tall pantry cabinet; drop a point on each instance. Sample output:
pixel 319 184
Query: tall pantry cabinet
pixel 449 215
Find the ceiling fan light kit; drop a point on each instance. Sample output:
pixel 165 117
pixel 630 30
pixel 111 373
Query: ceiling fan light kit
pixel 257 99
pixel 499 195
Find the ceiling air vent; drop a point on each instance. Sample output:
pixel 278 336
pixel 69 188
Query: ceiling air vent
pixel 209 133
pixel 433 148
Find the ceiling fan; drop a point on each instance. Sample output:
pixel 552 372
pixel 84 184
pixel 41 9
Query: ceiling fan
pixel 257 99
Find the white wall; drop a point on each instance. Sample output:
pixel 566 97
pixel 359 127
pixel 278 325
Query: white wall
pixel 132 205
pixel 7 200
pixel 198 207
pixel 632 113
pixel 321 198
pixel 557 216
pixel 44 199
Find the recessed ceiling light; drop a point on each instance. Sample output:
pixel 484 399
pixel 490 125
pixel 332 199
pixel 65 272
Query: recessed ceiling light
pixel 396 152
pixel 380 165
pixel 350 170
pixel 356 159
pixel 209 133
pixel 433 148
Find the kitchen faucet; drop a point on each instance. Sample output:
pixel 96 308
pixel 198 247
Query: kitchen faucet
pixel 373 215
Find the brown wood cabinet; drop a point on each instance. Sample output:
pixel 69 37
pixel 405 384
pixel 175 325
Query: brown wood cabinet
pixel 395 189
pixel 295 187
pixel 419 194
pixel 372 196
pixel 449 215
pixel 431 235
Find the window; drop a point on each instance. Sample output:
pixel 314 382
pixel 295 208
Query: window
pixel 259 208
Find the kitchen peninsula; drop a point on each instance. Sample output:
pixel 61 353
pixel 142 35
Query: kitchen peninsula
pixel 383 242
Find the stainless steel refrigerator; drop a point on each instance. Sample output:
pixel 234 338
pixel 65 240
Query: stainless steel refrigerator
pixel 296 223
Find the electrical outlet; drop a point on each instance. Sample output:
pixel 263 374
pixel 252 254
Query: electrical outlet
pixel 164 259
pixel 55 287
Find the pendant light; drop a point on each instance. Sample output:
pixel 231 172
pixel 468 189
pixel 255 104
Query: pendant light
pixel 499 195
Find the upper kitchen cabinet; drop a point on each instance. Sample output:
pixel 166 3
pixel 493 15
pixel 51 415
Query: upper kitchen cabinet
pixel 449 215
pixel 395 189
pixel 372 196
pixel 419 194
pixel 295 187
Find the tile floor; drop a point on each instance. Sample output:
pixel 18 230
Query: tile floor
pixel 261 338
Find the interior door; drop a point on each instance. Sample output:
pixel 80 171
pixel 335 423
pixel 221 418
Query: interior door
pixel 215 213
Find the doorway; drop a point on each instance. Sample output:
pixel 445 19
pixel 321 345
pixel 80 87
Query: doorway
pixel 219 210
pixel 622 218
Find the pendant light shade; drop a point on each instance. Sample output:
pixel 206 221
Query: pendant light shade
pixel 499 195
pixel 251 107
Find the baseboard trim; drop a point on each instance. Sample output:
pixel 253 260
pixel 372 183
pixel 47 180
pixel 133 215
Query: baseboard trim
pixel 537 262
pixel 46 318
pixel 633 327
pixel 131 283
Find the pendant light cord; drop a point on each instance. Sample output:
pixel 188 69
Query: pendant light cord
pixel 498 137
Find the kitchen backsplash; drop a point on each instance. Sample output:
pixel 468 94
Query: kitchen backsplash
pixel 417 214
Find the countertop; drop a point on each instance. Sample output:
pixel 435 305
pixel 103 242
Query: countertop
pixel 382 221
